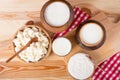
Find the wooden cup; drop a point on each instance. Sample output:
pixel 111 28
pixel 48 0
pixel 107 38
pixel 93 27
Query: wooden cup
pixel 53 28
pixel 79 41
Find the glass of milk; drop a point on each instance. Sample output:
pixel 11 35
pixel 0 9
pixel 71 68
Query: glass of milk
pixel 56 15
pixel 91 35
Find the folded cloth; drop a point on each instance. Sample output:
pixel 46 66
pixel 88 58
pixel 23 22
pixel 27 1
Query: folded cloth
pixel 111 67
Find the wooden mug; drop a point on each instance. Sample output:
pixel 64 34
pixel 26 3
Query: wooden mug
pixel 79 41
pixel 53 28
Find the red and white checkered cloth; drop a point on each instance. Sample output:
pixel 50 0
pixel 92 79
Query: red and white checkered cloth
pixel 79 17
pixel 111 67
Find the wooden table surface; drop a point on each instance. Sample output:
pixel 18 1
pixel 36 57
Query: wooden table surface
pixel 14 10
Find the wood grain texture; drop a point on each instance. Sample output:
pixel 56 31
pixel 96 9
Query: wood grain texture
pixel 15 13
pixel 15 9
pixel 35 5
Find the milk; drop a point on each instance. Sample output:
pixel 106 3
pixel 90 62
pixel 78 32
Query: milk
pixel 91 34
pixel 61 46
pixel 57 14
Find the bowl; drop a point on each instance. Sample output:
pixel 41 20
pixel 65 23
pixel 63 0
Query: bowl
pixel 45 34
pixel 75 61
pixel 52 28
pixel 91 46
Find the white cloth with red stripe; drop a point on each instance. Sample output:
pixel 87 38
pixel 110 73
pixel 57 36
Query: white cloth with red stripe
pixel 111 66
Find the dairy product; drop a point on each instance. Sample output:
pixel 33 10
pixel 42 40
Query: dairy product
pixel 80 66
pixel 61 46
pixel 36 50
pixel 57 14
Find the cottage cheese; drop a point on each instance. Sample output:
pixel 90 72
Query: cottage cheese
pixel 36 50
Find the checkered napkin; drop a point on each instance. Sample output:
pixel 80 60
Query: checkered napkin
pixel 79 17
pixel 110 69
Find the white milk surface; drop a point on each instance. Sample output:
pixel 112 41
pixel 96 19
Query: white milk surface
pixel 80 66
pixel 61 46
pixel 57 14
pixel 91 33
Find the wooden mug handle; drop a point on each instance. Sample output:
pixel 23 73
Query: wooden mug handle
pixel 88 11
pixel 118 21
pixel 88 8
pixel 30 22
pixel 114 19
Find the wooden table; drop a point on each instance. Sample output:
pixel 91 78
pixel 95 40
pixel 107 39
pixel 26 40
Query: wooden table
pixel 19 11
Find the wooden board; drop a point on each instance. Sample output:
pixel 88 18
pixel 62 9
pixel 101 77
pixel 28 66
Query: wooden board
pixel 16 14
pixel 109 48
